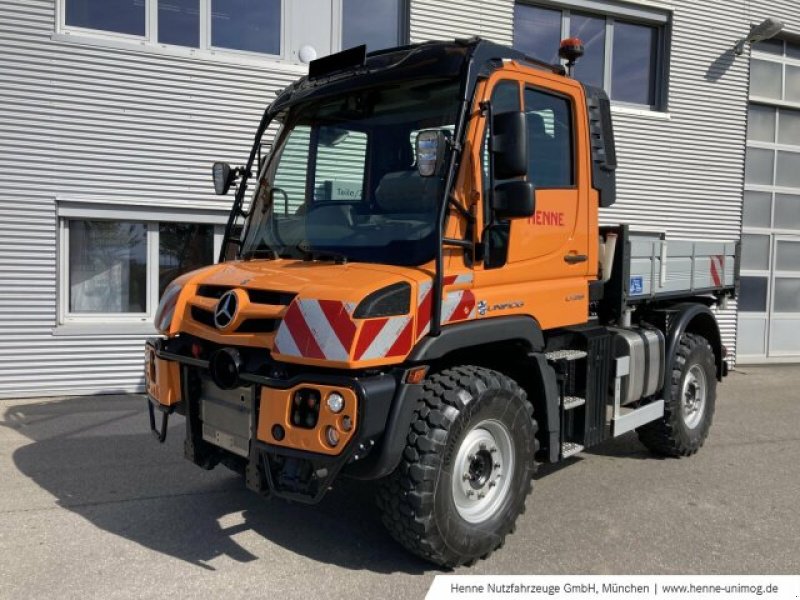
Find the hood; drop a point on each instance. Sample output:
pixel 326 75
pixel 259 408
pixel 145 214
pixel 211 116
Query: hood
pixel 305 312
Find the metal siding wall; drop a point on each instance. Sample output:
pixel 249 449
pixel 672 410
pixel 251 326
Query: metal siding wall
pixel 448 19
pixel 106 123
pixel 685 174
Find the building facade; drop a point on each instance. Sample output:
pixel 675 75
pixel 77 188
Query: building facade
pixel 112 111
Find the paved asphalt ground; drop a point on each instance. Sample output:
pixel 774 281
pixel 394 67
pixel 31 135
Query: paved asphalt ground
pixel 91 506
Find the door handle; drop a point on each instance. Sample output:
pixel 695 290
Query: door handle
pixel 574 259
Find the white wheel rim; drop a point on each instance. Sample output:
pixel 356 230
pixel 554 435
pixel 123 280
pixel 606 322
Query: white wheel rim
pixel 482 471
pixel 693 396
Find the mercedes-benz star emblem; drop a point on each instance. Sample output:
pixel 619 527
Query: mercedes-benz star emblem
pixel 226 310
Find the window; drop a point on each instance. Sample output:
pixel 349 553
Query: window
pixel 119 16
pixel 179 22
pixel 240 25
pixel 624 48
pixel 118 268
pixel 549 120
pixel 250 25
pixel 107 267
pixel 282 29
pixel 377 23
pixel 182 247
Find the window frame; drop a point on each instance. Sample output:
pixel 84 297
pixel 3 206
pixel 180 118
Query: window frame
pixel 659 19
pixel 111 322
pixel 149 41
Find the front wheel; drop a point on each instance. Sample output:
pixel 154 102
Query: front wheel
pixel 466 469
pixel 689 403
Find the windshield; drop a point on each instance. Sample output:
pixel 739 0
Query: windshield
pixel 343 182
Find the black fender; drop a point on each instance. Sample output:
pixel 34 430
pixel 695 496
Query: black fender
pixel 691 317
pixel 477 333
pixel 548 391
pixel 386 455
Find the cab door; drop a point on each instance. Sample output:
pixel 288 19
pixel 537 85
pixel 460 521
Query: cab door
pixel 540 265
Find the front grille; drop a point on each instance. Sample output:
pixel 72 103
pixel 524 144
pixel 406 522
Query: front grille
pixel 203 317
pixel 212 291
pixel 258 326
pixel 268 297
pixel 256 296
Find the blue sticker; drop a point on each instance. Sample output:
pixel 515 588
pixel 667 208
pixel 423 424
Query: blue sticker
pixel 637 286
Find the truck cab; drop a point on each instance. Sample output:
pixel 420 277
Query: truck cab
pixel 414 287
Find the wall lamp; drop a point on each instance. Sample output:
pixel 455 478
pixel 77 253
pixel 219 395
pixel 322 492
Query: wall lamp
pixel 768 28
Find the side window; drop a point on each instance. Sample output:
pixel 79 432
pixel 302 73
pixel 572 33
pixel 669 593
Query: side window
pixel 550 151
pixel 341 156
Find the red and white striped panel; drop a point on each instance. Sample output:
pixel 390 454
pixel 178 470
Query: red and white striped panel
pixel 457 305
pixel 384 337
pixel 317 329
pixel 325 329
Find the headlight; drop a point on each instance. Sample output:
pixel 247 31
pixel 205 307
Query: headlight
pixel 335 402
pixel 166 308
pixel 392 300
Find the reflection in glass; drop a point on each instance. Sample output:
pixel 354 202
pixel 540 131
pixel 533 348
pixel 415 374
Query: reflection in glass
pixel 119 16
pixel 757 209
pixel 179 22
pixel 787 211
pixel 182 247
pixel 787 256
pixel 107 267
pixel 251 25
pixel 758 166
pixel 633 63
pixel 375 23
pixel 765 79
pixel 787 171
pixel 755 251
pixel 592 32
pixel 537 32
pixel 789 130
pixel 753 294
pixel 761 123
pixel 787 295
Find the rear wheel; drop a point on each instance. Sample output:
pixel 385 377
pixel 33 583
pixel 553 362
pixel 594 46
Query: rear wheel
pixel 466 469
pixel 689 405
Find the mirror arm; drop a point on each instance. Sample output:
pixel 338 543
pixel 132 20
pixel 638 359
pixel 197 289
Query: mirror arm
pixel 468 216
pixel 466 244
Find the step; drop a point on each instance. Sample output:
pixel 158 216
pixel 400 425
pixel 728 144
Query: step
pixel 566 355
pixel 570 449
pixel 571 402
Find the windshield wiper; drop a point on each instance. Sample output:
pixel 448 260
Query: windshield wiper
pixel 310 254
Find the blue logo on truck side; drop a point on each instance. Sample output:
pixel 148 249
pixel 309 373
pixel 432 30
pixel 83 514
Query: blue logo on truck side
pixel 637 286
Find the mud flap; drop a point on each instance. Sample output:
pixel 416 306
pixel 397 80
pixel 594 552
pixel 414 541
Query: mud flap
pixel 159 433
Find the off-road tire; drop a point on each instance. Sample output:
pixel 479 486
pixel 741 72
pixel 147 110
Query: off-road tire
pixel 416 500
pixel 670 435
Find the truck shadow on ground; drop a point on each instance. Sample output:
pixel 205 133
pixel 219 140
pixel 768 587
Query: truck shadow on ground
pixel 97 458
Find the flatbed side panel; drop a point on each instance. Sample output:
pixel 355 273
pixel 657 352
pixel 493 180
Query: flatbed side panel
pixel 663 268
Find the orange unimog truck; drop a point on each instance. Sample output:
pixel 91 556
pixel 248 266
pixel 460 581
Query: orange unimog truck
pixel 415 288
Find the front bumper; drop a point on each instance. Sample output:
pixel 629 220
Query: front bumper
pixel 298 465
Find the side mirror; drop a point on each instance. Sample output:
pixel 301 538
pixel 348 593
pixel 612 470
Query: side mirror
pixel 222 174
pixel 514 200
pixel 431 145
pixel 510 145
